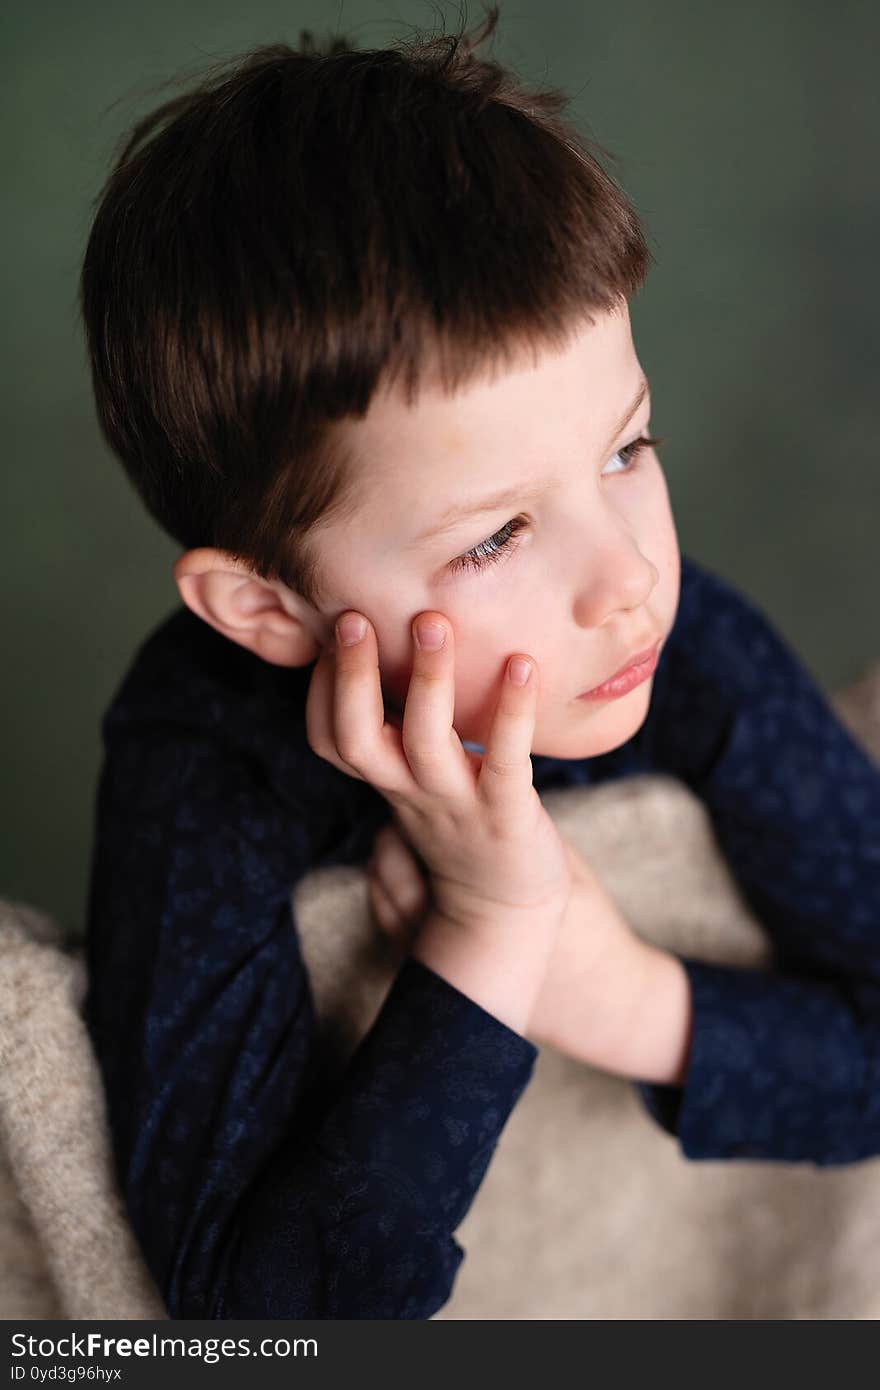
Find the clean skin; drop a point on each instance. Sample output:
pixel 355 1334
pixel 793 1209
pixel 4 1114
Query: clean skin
pixel 585 572
pixel 579 569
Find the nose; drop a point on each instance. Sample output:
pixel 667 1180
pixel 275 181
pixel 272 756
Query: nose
pixel 614 577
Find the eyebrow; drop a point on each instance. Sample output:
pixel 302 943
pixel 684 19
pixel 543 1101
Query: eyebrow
pixel 509 496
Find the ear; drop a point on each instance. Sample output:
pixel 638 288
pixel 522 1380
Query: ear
pixel 260 614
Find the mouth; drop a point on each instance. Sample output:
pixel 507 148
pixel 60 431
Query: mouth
pixel 638 669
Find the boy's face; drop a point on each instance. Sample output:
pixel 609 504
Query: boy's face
pixel 591 576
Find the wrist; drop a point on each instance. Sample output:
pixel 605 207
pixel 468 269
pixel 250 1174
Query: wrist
pixel 500 965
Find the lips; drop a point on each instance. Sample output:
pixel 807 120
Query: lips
pixel 633 661
pixel 637 659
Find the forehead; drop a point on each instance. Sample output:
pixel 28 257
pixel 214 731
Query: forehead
pixel 410 462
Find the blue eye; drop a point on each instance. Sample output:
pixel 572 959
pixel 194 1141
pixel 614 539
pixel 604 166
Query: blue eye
pixel 497 546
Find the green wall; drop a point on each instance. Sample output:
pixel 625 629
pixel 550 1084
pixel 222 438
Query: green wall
pixel 747 137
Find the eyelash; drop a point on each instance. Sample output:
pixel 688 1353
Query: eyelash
pixel 499 545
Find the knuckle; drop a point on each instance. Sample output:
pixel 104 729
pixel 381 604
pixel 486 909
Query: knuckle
pixel 423 756
pixel 428 675
pixel 413 898
pixel 352 749
pixel 322 749
pixel 497 766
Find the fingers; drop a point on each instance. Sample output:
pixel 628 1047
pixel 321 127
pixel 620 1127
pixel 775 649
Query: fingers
pixel 346 724
pixel 398 891
pixel 345 719
pixel 319 713
pixel 397 869
pixel 387 917
pixel 433 749
pixel 506 767
pixel 358 712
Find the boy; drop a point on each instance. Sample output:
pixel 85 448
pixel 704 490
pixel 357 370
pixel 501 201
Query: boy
pixel 359 333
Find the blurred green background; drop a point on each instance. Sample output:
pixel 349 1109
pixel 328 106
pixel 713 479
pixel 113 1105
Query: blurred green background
pixel 747 137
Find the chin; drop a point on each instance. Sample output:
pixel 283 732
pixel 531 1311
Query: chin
pixel 600 729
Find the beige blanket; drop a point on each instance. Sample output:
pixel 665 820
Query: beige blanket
pixel 587 1210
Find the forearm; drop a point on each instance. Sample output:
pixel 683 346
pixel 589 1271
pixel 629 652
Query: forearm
pixel 627 1011
pixel 660 1040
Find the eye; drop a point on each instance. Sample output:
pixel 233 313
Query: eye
pixel 630 452
pixel 491 549
pixel 502 543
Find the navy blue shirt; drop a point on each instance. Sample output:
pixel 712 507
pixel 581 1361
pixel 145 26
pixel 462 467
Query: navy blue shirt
pixel 262 1185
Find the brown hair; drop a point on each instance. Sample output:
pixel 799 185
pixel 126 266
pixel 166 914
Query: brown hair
pixel 303 225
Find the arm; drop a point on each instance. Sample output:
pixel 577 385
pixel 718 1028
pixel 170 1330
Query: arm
pixel 609 998
pixel 605 997
pixel 783 1063
pixel 255 1188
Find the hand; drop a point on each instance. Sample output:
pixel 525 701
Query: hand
pixel 400 898
pixel 492 852
pixel 594 976
pixel 399 888
pixel 585 1002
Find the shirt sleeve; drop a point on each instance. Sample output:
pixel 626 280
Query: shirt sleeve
pixel 256 1188
pixel 784 1063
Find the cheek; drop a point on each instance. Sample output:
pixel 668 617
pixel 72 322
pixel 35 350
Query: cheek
pixel 396 666
pixel 476 694
pixel 662 526
pixel 395 681
pixel 491 642
pixel 479 668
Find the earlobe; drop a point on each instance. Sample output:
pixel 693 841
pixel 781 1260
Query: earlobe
pixel 256 613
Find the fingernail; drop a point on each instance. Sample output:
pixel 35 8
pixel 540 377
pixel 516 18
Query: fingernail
pixel 430 636
pixel 519 670
pixel 351 629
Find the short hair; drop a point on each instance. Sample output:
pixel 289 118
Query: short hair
pixel 303 226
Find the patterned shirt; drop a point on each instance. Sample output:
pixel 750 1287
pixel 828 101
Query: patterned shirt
pixel 259 1184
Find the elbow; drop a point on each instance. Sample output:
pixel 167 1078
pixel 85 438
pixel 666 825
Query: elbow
pixel 351 1276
